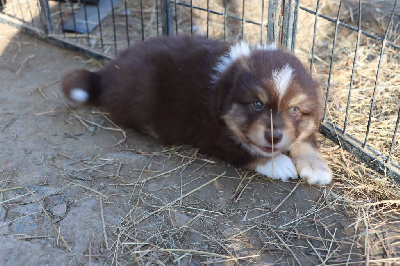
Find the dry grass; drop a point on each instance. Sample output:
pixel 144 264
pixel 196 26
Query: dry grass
pixel 353 221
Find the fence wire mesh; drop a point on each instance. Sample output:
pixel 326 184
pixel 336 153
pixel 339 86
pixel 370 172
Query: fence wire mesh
pixel 351 46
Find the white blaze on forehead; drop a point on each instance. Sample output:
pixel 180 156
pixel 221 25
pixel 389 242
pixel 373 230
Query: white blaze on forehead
pixel 282 78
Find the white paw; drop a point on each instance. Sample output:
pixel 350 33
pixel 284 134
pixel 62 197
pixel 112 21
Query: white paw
pixel 279 167
pixel 315 172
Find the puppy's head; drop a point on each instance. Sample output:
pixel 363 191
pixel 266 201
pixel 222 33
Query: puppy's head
pixel 266 98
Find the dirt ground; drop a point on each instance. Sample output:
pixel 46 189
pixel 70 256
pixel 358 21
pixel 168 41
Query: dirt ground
pixel 72 194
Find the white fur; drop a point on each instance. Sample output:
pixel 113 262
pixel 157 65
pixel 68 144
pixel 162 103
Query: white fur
pixel 236 51
pixel 79 95
pixel 279 167
pixel 239 50
pixel 282 79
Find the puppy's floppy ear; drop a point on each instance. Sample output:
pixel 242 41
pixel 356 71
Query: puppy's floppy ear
pixel 224 90
pixel 228 83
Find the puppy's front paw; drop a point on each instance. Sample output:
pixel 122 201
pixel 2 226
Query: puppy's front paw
pixel 314 170
pixel 279 167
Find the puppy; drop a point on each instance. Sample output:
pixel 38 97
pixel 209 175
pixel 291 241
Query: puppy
pixel 255 107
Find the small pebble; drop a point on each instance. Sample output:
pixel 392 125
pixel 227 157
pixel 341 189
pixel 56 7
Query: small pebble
pixel 91 129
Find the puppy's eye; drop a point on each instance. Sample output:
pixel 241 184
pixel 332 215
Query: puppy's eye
pixel 294 110
pixel 258 105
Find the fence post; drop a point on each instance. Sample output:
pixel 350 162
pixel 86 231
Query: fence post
pixel 273 21
pixel 166 18
pixel 45 12
pixel 282 22
pixel 289 23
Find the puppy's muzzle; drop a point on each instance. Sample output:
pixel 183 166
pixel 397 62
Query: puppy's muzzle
pixel 273 137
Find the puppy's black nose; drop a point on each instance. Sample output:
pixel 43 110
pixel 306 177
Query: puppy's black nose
pixel 273 138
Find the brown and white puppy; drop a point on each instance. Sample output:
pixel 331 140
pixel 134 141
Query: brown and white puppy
pixel 256 107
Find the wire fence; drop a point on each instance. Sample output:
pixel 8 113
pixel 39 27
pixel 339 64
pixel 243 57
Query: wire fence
pixel 351 46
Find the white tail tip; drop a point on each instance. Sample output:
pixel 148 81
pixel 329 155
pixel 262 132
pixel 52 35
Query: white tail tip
pixel 79 95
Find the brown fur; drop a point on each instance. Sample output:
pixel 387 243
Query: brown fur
pixel 163 87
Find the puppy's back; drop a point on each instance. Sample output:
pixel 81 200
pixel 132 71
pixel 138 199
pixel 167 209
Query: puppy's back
pixel 140 85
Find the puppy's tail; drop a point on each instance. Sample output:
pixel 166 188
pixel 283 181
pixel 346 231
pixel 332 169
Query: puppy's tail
pixel 82 86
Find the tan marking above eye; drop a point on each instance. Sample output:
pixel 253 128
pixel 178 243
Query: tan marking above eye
pixel 261 94
pixel 297 100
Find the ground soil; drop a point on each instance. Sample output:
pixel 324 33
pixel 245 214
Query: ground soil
pixel 72 194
